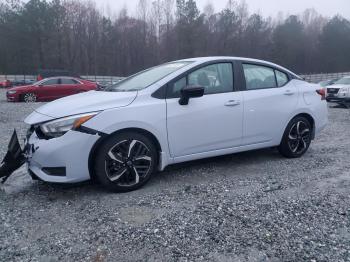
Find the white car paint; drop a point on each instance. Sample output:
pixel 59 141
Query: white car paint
pixel 189 124
pixel 91 101
pixel 208 126
pixel 339 91
pixel 344 91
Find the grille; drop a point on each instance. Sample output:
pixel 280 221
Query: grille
pixel 333 90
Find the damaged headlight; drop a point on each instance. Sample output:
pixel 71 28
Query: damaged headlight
pixel 59 127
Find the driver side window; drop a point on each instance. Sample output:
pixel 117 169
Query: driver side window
pixel 215 78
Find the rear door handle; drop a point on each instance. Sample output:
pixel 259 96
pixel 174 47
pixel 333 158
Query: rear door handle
pixel 233 103
pixel 289 93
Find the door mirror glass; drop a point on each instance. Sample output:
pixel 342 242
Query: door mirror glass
pixel 190 92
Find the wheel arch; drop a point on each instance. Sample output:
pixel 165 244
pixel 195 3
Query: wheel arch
pixel 124 130
pixel 310 118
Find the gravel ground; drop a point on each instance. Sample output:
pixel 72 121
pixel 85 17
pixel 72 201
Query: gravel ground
pixel 253 206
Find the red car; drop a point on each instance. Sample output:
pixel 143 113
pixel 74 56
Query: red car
pixel 6 84
pixel 49 89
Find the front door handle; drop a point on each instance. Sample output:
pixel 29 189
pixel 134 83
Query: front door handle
pixel 289 93
pixel 233 103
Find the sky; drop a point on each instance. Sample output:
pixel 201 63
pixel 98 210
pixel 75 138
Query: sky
pixel 265 7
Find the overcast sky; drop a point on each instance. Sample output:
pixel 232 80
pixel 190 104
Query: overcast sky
pixel 265 7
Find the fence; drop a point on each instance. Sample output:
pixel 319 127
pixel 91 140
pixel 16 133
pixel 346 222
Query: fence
pixel 316 78
pixel 106 80
pixel 103 80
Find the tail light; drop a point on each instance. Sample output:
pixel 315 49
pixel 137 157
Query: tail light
pixel 322 93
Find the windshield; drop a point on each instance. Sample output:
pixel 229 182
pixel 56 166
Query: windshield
pixel 148 77
pixel 343 81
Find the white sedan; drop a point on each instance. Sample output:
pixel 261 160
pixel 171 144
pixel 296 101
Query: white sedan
pixel 176 112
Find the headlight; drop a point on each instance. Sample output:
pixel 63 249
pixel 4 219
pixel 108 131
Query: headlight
pixel 61 126
pixel 11 92
pixel 344 90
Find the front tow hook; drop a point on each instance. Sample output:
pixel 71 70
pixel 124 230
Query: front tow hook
pixel 14 158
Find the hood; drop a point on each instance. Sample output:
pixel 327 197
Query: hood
pixel 87 102
pixel 35 118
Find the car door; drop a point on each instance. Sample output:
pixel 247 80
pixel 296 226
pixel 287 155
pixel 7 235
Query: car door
pixel 48 89
pixel 208 123
pixel 269 99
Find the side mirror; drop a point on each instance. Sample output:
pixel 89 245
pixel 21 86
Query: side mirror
pixel 190 92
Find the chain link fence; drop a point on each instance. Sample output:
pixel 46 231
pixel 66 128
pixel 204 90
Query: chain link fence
pixel 102 80
pixel 316 78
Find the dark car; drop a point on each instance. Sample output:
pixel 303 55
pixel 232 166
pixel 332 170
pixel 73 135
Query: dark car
pixel 49 89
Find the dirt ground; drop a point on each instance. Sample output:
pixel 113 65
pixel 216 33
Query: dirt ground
pixel 253 206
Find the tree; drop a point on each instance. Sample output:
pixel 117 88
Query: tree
pixel 187 28
pixel 288 44
pixel 75 35
pixel 334 45
pixel 226 32
pixel 257 37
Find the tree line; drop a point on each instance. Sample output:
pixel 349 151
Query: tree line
pixel 77 36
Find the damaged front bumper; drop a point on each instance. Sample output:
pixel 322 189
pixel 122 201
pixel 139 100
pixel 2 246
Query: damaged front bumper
pixel 14 158
pixel 58 160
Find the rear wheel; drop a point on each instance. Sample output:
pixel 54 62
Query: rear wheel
pixel 297 138
pixel 29 98
pixel 125 161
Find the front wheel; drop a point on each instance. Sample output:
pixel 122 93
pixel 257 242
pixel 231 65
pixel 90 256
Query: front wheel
pixel 125 161
pixel 297 138
pixel 29 98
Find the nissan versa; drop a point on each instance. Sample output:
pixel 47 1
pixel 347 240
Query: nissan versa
pixel 176 112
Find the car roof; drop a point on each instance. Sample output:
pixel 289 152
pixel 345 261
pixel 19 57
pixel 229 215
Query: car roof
pixel 214 58
pixel 55 77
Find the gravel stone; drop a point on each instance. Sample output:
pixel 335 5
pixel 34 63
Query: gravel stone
pixel 252 206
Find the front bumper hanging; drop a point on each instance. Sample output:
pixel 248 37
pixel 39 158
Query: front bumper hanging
pixel 14 158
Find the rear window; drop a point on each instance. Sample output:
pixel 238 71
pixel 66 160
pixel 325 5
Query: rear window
pixel 259 77
pixel 262 77
pixel 281 77
pixel 68 81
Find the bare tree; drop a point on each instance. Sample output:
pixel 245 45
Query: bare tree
pixel 76 35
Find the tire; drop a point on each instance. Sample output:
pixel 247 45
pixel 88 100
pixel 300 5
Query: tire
pixel 296 138
pixel 125 162
pixel 29 98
